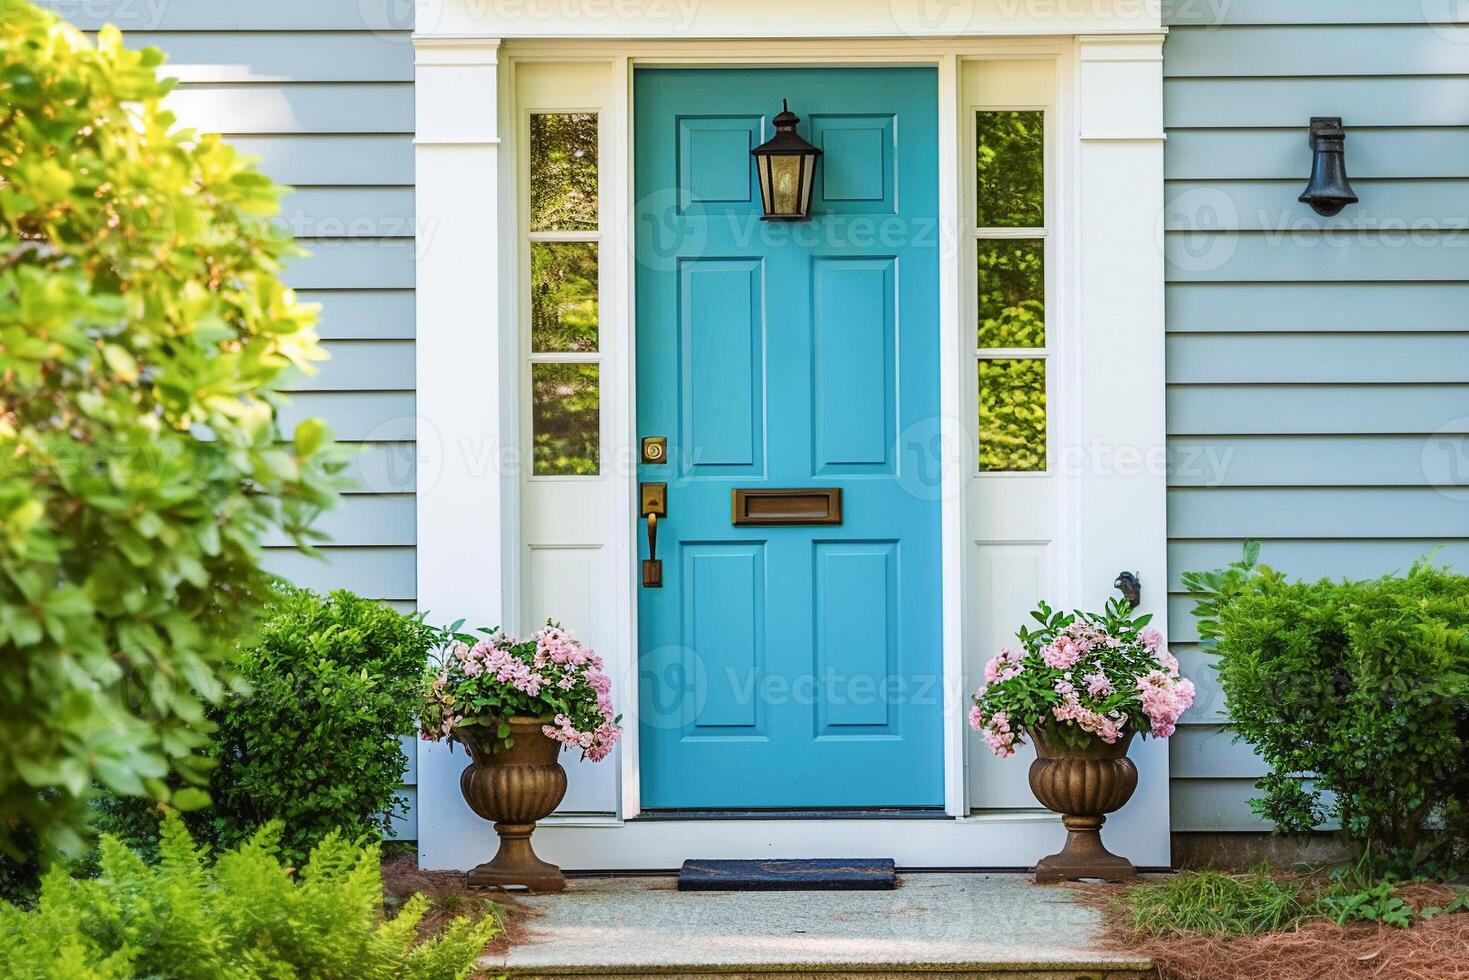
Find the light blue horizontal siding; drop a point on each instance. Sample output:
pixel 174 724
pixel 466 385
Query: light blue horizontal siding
pixel 1337 307
pixel 1331 513
pixel 333 158
pixel 1291 102
pixel 382 572
pixel 358 365
pixel 1283 154
pixel 1345 409
pixel 377 520
pixel 1224 358
pixel 362 314
pixel 276 56
pixel 1410 207
pixel 1319 50
pixel 356 416
pixel 295 107
pixel 1219 13
pixel 332 16
pixel 353 263
pixel 1318 368
pixel 348 212
pixel 1350 460
pixel 1312 256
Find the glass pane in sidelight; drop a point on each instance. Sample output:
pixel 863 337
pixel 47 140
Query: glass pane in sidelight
pixel 1010 161
pixel 1012 415
pixel 1012 292
pixel 563 171
pixel 564 426
pixel 563 296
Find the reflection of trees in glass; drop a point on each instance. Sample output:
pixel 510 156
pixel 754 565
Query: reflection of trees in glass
pixel 1011 169
pixel 1012 293
pixel 563 171
pixel 563 296
pixel 1012 415
pixel 564 427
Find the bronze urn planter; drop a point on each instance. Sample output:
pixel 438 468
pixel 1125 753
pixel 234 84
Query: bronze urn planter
pixel 514 787
pixel 1083 785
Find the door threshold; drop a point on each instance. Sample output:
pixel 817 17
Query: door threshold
pixel 833 813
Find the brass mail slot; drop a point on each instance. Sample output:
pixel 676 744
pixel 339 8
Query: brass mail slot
pixel 818 505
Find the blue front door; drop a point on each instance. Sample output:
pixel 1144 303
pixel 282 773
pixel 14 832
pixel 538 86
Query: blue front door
pixel 793 665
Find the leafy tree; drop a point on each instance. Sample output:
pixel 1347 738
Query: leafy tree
pixel 142 326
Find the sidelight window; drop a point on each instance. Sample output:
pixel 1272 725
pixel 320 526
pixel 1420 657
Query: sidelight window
pixel 1010 252
pixel 565 347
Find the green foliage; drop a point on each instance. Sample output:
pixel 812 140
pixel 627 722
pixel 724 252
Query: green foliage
pixel 1216 903
pixel 1012 415
pixel 334 682
pixel 1359 690
pixel 245 916
pixel 1010 168
pixel 142 324
pixel 565 419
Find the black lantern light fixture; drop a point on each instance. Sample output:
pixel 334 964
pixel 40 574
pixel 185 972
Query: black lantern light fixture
pixel 787 165
pixel 1328 191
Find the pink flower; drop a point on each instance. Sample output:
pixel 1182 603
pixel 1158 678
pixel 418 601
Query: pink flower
pixel 1151 639
pixel 1001 668
pixel 1061 654
pixel 1097 685
pixel 976 718
pixel 998 735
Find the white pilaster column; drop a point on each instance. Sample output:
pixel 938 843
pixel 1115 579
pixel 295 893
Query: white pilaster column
pixel 1123 489
pixel 462 495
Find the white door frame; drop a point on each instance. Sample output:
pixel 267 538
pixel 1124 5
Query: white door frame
pixel 469 410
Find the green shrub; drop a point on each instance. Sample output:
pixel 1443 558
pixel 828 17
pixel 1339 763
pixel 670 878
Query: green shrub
pixel 142 324
pixel 245 916
pixel 1359 690
pixel 334 682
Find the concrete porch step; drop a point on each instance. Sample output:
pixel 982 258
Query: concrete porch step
pixel 952 926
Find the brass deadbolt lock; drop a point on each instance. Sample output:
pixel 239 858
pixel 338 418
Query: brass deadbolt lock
pixel 655 449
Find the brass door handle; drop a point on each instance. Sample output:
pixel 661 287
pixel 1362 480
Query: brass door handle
pixel 654 504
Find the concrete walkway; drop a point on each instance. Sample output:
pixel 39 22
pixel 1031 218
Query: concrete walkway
pixel 947 925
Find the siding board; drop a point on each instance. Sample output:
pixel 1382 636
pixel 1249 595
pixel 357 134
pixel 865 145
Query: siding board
pixel 347 263
pixel 359 365
pixel 1416 207
pixel 1321 557
pixel 1256 153
pixel 1309 409
pixel 313 107
pixel 1212 307
pixel 363 314
pixel 1317 257
pixel 388 16
pixel 1334 513
pixel 1291 102
pixel 1319 50
pixel 1224 358
pixel 275 56
pixel 1218 13
pixel 1309 461
pixel 333 158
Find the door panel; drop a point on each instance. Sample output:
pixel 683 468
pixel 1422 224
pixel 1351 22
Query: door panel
pixel 789 666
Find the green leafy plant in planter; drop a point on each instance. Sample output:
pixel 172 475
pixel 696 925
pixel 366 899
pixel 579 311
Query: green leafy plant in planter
pixel 246 915
pixel 143 326
pixel 1356 695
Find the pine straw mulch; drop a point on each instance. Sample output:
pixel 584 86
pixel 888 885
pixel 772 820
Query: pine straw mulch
pixel 451 897
pixel 1437 949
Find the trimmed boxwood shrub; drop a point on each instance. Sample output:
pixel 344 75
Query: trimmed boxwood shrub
pixel 1356 694
pixel 334 682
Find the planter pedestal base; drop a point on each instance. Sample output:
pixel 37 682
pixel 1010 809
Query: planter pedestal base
pixel 1084 855
pixel 516 864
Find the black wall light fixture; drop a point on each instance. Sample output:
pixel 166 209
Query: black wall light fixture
pixel 787 167
pixel 1328 191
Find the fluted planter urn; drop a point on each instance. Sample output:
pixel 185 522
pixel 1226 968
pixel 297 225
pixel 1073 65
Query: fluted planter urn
pixel 1083 785
pixel 515 788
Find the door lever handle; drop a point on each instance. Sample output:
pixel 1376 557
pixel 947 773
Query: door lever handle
pixel 654 500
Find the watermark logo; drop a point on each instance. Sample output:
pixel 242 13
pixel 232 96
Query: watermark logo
pixel 1445 459
pixel 1196 230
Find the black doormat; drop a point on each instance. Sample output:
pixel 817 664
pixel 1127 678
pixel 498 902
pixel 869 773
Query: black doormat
pixel 820 874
